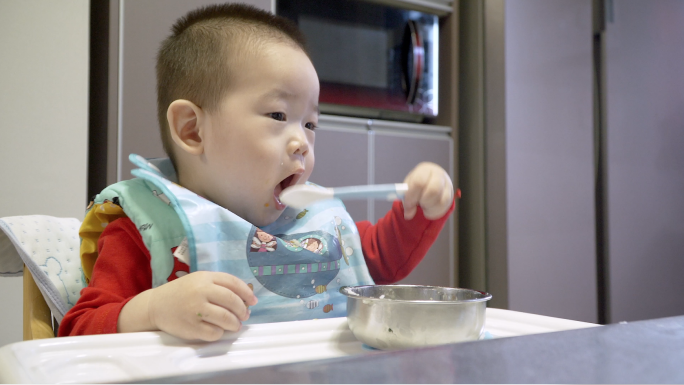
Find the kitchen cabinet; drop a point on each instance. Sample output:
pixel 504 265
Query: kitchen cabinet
pixel 342 152
pixel 396 155
pixel 353 151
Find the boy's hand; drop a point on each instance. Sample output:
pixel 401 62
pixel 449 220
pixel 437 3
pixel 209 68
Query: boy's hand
pixel 429 187
pixel 200 305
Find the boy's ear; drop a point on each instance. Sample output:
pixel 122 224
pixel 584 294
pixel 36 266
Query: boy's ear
pixel 186 122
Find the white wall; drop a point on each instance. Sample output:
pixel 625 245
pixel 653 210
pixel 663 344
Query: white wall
pixel 44 121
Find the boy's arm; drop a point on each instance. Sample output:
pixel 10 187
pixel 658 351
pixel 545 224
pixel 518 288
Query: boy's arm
pixel 394 246
pixel 199 305
pixel 121 271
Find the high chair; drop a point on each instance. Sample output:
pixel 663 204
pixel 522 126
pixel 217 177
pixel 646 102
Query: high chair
pixel 38 322
pixel 45 251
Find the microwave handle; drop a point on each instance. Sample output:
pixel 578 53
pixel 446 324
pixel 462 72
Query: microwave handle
pixel 414 60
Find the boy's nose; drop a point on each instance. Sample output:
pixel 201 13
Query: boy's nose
pixel 298 147
pixel 299 144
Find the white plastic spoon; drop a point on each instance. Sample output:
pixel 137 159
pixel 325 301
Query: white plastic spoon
pixel 301 195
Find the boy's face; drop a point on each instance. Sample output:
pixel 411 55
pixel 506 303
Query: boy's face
pixel 261 139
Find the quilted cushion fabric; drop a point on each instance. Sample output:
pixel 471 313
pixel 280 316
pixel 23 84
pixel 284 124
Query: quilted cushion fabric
pixel 49 247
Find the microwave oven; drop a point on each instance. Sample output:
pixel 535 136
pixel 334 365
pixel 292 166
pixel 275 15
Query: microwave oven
pixel 373 60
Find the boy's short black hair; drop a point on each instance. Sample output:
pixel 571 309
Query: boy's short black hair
pixel 194 63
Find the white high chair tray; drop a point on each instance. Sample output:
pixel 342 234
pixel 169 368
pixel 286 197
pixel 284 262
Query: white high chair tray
pixel 138 356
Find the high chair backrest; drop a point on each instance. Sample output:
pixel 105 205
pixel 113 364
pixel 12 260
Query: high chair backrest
pixel 45 250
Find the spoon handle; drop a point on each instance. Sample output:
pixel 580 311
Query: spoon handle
pixel 388 192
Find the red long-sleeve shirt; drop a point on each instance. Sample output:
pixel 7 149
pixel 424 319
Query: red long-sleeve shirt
pixel 392 248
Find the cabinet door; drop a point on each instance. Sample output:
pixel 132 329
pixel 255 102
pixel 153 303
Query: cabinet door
pixel 645 161
pixel 342 160
pixel 145 25
pixel 395 155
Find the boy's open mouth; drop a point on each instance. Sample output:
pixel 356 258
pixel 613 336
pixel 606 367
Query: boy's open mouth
pixel 285 183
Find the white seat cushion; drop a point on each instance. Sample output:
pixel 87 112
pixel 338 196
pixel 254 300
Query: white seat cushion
pixel 49 247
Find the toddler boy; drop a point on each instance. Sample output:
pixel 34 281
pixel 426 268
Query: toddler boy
pixel 238 108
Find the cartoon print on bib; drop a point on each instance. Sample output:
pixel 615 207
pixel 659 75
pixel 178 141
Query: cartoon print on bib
pixel 312 244
pixel 303 267
pixel 263 242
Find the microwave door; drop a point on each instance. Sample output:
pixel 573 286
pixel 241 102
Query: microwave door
pixel 372 60
pixel 413 61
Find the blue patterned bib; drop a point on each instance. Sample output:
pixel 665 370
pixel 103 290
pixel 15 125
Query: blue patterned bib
pixel 295 265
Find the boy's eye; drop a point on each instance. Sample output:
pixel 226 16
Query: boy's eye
pixel 311 126
pixel 279 116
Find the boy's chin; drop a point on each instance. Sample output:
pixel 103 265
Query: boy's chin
pixel 266 218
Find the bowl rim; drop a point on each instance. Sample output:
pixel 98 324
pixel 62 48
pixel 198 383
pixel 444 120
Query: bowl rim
pixel 346 290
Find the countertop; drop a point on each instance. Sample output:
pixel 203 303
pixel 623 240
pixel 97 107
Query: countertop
pixel 649 351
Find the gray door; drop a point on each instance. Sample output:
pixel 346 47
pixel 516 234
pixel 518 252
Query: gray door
pixel 527 224
pixel 645 158
pixel 550 159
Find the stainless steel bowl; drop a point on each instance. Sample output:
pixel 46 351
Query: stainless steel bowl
pixel 405 316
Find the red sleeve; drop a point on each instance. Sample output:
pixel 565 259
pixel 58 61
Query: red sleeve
pixel 121 272
pixel 393 247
